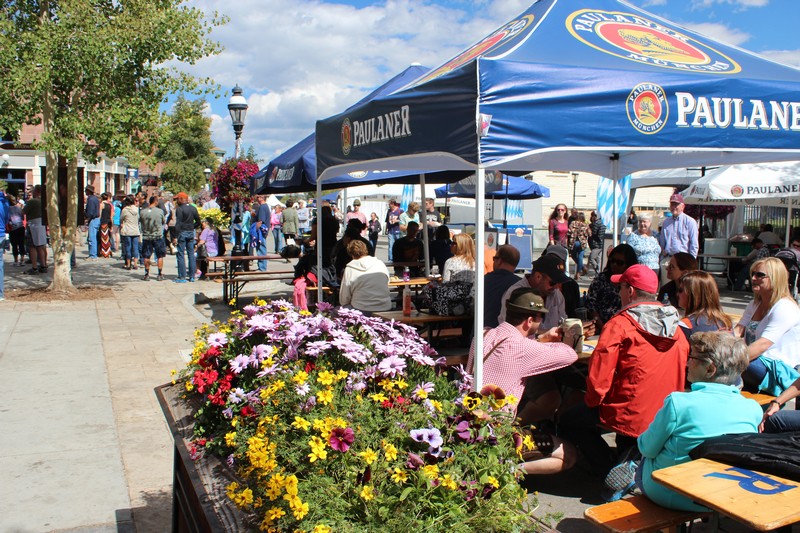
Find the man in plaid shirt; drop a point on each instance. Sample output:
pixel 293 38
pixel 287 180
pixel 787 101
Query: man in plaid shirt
pixel 511 355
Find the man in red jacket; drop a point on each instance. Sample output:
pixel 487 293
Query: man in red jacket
pixel 640 358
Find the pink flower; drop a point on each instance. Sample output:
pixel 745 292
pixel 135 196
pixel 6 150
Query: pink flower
pixel 341 439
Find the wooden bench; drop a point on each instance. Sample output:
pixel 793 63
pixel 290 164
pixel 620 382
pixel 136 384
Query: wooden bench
pixel 237 280
pixel 762 399
pixel 638 514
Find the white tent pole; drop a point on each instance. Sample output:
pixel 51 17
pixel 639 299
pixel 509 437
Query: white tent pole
pixel 788 223
pixel 477 334
pixel 318 244
pixel 614 179
pixel 424 219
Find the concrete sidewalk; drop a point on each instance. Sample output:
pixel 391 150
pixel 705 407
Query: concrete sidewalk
pixel 83 442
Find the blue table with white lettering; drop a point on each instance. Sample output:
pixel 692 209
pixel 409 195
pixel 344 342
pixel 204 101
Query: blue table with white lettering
pixel 761 501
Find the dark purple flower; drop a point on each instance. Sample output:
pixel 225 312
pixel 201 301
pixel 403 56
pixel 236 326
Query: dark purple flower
pixel 341 439
pixel 322 307
pixel 414 461
pixel 463 431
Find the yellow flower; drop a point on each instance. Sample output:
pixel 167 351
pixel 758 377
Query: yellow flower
pixel 326 378
pixel 231 489
pixel 527 441
pixel 318 450
pixel 493 482
pixel 341 374
pixel 400 384
pixel 386 384
pixel 431 471
pixel 300 377
pixel 378 397
pixel 300 510
pixel 436 404
pixel 189 386
pixel 325 397
pixel 399 476
pixel 275 512
pixel 366 493
pixel 368 456
pixel 420 394
pixel 448 482
pixel 321 528
pixel 511 399
pixel 389 450
pixel 301 423
pixel 471 402
pixel 230 438
pixel 244 498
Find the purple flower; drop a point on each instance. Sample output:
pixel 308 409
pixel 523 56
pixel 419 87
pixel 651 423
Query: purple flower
pixel 303 389
pixel 430 436
pixel 341 439
pixel 427 388
pixel 309 404
pixel 230 460
pixel 463 431
pixel 217 340
pixel 323 307
pixel 236 395
pixel 317 348
pixel 392 366
pixel 240 363
pixel 414 461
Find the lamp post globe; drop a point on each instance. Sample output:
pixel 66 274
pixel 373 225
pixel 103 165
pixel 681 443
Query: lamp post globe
pixel 207 172
pixel 237 106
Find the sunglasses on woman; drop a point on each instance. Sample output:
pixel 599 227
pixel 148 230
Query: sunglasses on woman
pixel 759 275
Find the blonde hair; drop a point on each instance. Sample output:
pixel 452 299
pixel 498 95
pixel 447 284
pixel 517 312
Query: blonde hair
pixel 779 278
pixel 702 298
pixel 465 247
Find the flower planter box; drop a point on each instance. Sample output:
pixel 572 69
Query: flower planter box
pixel 199 503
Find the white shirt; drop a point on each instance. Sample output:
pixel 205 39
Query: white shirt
pixel 781 325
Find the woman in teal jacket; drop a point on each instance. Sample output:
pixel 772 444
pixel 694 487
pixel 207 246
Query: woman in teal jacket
pixel 712 408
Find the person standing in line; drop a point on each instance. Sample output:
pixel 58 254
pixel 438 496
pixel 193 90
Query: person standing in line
pixel 4 210
pixel 263 221
pixel 432 217
pixel 17 233
pixel 356 213
pixel 597 233
pixel 411 214
pixel 187 221
pixel 578 240
pixel 645 244
pixel 557 227
pixel 679 232
pixel 303 217
pixel 129 230
pixel 91 213
pixel 152 221
pixel 276 227
pixel 116 244
pixel 374 230
pixel 37 231
pixel 291 222
pixel 393 225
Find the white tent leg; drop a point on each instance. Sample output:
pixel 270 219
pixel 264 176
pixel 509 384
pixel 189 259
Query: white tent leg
pixel 615 179
pixel 318 243
pixel 477 333
pixel 424 220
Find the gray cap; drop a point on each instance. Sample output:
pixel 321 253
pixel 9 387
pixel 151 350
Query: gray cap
pixel 526 301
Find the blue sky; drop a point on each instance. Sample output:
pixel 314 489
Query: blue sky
pixel 303 60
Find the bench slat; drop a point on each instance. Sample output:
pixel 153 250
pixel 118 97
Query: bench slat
pixel 638 514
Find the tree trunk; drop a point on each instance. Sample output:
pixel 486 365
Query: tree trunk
pixel 62 248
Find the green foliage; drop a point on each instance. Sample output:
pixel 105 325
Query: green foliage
pixel 253 156
pixel 185 146
pixel 217 216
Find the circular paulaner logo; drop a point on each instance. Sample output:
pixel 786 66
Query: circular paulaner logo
pixel 358 174
pixel 737 191
pixel 647 108
pixel 500 42
pixel 635 38
pixel 347 136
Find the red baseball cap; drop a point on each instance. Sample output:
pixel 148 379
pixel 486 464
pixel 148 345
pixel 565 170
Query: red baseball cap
pixel 639 277
pixel 676 198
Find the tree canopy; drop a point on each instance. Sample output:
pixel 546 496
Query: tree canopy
pixel 185 147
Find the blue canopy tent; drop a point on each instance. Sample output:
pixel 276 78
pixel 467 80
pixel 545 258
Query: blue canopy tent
pixel 511 187
pixel 609 89
pixel 295 170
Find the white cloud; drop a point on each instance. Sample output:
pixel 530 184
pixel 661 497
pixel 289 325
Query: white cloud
pixel 719 32
pixel 300 61
pixel 787 57
pixel 744 4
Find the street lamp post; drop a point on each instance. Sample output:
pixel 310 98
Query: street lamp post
pixel 207 172
pixel 238 109
pixel 574 187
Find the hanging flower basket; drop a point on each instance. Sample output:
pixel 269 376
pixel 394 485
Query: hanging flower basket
pixel 341 422
pixel 709 211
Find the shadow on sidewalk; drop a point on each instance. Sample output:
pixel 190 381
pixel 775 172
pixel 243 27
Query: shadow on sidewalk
pixel 154 516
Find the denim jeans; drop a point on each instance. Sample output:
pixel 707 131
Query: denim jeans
pixel 262 250
pixel 2 274
pixel 130 247
pixel 594 259
pixel 783 421
pixel 753 375
pixel 94 229
pixel 392 237
pixel 577 255
pixel 186 246
pixel 277 235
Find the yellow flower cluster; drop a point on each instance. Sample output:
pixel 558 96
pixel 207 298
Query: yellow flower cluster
pixel 243 498
pixel 390 384
pixel 267 393
pixel 261 454
pixel 389 450
pixel 367 493
pixel 318 450
pixel 368 456
pixel 327 424
pixel 300 377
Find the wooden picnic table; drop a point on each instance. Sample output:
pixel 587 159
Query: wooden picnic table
pixel 761 501
pixel 422 319
pixel 229 264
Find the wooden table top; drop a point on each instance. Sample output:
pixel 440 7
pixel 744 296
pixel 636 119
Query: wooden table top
pixel 398 282
pixel 761 501
pixel 228 258
pixel 419 317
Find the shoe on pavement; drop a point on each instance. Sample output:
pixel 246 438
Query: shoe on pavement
pixel 619 481
pixel 42 270
pixel 32 271
pixel 179 280
pixel 160 277
pixel 146 277
pixel 191 280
